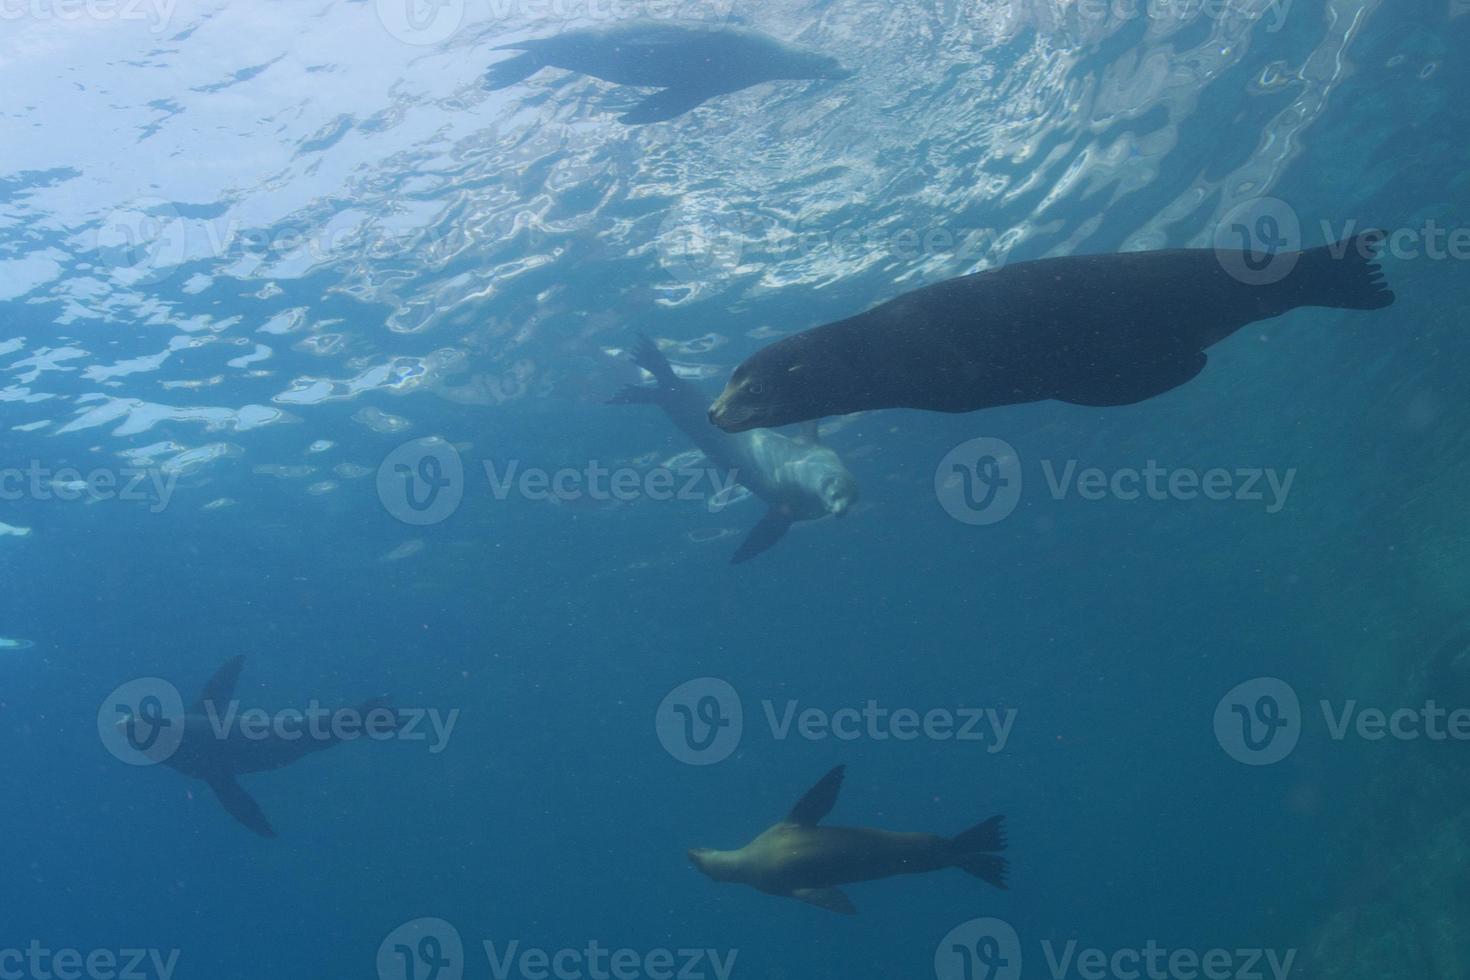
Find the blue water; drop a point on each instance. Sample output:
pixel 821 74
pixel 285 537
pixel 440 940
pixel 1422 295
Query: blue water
pixel 256 248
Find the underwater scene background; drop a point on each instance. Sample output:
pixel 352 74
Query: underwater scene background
pixel 254 258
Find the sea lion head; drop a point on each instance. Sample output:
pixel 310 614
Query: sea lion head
pixel 716 864
pixel 768 389
pixel 810 64
pixel 839 492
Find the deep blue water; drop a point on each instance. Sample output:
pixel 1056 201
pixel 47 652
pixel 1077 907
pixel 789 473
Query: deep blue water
pixel 476 263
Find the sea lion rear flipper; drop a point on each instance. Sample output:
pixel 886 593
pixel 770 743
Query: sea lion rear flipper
pixel 665 105
pixel 503 74
pixel 818 801
pixel 1343 276
pixel 831 899
pixel 241 805
pixel 973 851
pixel 221 687
pixel 763 536
pixel 1134 383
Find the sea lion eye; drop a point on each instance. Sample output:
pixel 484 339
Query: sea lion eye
pixel 756 388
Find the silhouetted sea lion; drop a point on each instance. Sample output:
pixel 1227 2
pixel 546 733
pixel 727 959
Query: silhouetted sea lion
pixel 1090 329
pixel 217 757
pixel 691 63
pixel 799 479
pixel 798 859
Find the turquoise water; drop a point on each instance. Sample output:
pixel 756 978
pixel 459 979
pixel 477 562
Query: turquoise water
pixel 252 254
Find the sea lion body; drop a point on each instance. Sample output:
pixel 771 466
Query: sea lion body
pixel 213 748
pixel 1097 330
pixel 692 63
pixel 799 479
pixel 798 858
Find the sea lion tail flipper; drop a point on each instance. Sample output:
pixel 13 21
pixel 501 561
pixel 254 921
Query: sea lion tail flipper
pixel 763 536
pixel 831 899
pixel 818 801
pixel 1345 275
pixel 221 687
pixel 504 74
pixel 974 851
pixel 663 106
pixel 241 805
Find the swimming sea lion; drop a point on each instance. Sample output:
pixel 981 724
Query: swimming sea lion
pixel 798 859
pixel 799 479
pixel 206 752
pixel 1096 330
pixel 691 63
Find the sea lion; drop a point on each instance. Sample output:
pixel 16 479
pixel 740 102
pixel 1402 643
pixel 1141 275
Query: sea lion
pixel 799 479
pixel 1097 330
pixel 691 63
pixel 217 757
pixel 798 859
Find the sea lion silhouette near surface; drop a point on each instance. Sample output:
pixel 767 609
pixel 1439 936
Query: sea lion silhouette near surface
pixel 1099 330
pixel 691 63
pixel 799 479
pixel 797 858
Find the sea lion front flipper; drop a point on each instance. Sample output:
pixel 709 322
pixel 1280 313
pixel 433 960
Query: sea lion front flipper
pixel 504 74
pixel 763 536
pixel 1135 383
pixel 818 801
pixel 665 105
pixel 221 687
pixel 241 805
pixel 831 899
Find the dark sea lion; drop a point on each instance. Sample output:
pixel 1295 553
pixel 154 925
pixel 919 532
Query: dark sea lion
pixel 798 859
pixel 1097 330
pixel 217 758
pixel 799 479
pixel 691 63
